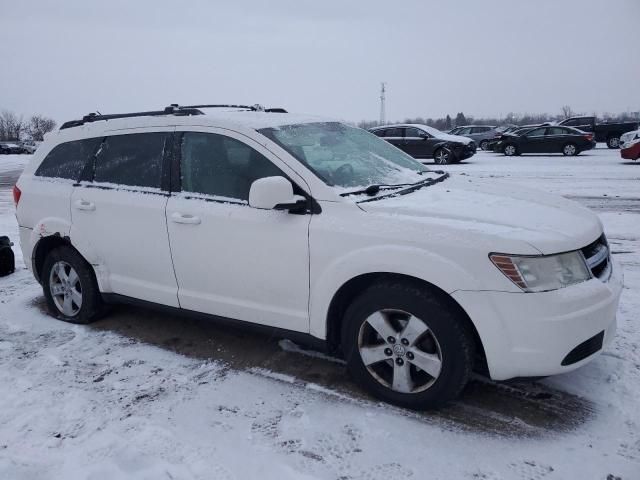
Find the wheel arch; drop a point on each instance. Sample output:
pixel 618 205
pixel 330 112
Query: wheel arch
pixel 356 285
pixel 42 248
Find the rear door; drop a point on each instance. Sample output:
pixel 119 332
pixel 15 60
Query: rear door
pixel 395 136
pixel 556 138
pixel 118 215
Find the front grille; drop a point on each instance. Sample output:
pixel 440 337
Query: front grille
pixel 598 258
pixel 586 348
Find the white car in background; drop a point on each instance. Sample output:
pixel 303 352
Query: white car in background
pixel 324 232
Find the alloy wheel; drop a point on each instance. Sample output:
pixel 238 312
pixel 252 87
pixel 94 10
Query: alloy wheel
pixel 400 351
pixel 509 150
pixel 614 142
pixel 442 157
pixel 569 150
pixel 65 288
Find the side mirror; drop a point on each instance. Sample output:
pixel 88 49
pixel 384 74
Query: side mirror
pixel 274 193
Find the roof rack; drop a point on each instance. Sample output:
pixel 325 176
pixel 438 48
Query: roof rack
pixel 173 109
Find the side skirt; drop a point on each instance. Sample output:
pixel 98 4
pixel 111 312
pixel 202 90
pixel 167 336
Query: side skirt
pixel 300 338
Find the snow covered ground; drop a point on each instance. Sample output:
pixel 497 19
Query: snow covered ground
pixel 141 395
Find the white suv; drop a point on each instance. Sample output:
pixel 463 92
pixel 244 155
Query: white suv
pixel 321 230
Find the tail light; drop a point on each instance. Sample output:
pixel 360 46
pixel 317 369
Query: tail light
pixel 16 195
pixel 589 136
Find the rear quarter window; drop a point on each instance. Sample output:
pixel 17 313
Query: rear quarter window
pixel 67 160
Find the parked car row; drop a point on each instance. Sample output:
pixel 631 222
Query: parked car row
pixel 18 148
pixel 423 142
pixel 609 132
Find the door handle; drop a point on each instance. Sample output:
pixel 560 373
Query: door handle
pixel 185 218
pixel 85 205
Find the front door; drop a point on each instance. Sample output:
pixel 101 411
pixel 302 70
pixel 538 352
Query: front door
pixel 117 216
pixel 417 143
pixel 232 260
pixel 533 141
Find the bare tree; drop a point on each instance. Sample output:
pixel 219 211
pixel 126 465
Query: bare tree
pixel 11 125
pixel 567 112
pixel 38 125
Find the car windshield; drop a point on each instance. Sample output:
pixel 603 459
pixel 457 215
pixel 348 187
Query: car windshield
pixel 347 157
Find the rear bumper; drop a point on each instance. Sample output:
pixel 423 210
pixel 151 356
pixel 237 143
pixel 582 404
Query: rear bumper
pixel 540 334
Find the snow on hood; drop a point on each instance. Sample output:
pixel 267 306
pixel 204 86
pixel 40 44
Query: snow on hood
pixel 549 223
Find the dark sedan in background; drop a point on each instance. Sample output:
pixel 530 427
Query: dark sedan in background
pixel 422 141
pixel 546 139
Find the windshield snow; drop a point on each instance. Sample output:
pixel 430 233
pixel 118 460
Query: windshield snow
pixel 345 156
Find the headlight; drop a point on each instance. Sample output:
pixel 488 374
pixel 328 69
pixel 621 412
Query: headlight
pixel 543 272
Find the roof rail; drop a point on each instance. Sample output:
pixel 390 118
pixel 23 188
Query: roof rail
pixel 173 109
pixel 94 117
pixel 254 108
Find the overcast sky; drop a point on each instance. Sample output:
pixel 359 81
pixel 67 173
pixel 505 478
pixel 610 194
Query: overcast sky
pixel 67 58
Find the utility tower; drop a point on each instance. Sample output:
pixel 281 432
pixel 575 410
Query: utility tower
pixel 382 106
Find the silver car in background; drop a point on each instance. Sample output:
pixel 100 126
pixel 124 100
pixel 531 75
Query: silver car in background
pixel 481 134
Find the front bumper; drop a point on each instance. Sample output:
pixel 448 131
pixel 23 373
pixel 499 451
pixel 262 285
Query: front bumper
pixel 531 334
pixel 631 152
pixel 463 152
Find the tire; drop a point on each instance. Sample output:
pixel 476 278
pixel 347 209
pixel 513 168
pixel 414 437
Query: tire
pixel 392 374
pixel 510 150
pixel 85 302
pixel 570 150
pixel 484 145
pixel 442 156
pixel 613 141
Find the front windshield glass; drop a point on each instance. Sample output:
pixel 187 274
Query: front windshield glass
pixel 345 156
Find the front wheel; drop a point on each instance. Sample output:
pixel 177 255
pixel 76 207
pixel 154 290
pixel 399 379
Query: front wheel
pixel 442 156
pixel 406 346
pixel 70 287
pixel 613 142
pixel 484 145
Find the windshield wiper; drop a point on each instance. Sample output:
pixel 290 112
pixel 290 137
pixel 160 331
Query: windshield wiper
pixel 410 188
pixel 373 189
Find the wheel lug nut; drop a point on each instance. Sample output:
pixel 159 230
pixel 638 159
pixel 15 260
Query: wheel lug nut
pixel 391 339
pixel 404 341
pixel 388 352
pixel 410 355
pixel 399 361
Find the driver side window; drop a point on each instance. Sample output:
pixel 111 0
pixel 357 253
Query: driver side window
pixel 414 133
pixel 221 166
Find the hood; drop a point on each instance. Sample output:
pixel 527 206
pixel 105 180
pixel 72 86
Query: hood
pixel 548 223
pixel 454 138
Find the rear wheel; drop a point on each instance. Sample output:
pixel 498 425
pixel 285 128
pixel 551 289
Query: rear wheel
pixel 613 142
pixel 442 156
pixel 569 150
pixel 484 145
pixel 406 347
pixel 510 150
pixel 70 287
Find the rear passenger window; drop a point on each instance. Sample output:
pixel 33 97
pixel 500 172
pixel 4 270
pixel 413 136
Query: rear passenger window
pixel 221 166
pixel 67 160
pixel 134 160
